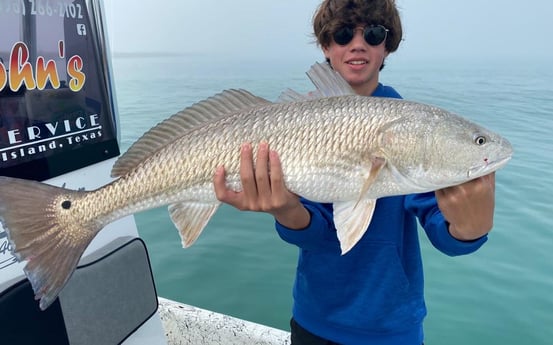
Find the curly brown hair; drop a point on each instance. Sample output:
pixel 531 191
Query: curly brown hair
pixel 332 14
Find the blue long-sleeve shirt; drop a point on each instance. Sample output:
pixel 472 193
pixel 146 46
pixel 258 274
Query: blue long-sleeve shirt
pixel 374 293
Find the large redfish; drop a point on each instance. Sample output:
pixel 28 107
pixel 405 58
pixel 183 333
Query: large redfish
pixel 335 147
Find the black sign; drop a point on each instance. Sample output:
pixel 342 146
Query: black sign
pixel 56 113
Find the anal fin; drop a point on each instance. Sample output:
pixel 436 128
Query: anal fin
pixel 190 218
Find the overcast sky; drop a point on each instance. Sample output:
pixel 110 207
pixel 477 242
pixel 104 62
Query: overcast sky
pixel 260 29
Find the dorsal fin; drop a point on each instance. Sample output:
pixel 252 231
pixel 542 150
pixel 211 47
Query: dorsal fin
pixel 223 104
pixel 289 96
pixel 328 82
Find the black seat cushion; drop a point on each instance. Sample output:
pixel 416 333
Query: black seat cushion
pixel 23 323
pixel 110 295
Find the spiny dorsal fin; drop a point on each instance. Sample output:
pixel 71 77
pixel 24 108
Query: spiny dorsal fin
pixel 223 104
pixel 328 82
pixel 289 96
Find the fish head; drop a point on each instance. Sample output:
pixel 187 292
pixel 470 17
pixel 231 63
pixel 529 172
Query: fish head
pixel 435 149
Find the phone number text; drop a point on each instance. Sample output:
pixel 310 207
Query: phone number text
pixel 42 8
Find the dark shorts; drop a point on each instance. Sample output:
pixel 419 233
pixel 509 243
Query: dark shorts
pixel 301 336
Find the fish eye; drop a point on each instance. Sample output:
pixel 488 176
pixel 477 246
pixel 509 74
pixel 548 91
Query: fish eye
pixel 480 140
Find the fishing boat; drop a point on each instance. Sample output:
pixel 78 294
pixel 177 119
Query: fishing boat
pixel 59 123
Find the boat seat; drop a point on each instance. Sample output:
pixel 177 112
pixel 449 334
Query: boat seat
pixel 110 295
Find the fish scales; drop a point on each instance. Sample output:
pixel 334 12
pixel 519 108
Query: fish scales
pixel 287 128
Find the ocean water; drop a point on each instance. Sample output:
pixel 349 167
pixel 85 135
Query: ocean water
pixel 502 294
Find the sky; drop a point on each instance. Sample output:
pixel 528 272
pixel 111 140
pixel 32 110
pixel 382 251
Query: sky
pixel 260 29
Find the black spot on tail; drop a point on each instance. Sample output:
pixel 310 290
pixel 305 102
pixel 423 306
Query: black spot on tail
pixel 66 205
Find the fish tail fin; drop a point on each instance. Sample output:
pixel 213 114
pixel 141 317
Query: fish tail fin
pixel 43 229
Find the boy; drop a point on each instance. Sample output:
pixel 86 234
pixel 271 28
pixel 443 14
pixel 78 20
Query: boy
pixel 374 293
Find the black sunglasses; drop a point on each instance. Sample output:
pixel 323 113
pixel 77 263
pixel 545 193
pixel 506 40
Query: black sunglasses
pixel 373 34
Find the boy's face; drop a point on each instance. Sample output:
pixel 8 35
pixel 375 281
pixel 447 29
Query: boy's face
pixel 357 62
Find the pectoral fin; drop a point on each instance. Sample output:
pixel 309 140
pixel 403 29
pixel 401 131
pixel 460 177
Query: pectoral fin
pixel 191 219
pixel 377 164
pixel 352 219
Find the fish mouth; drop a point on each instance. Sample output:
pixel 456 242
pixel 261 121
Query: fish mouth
pixel 489 167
